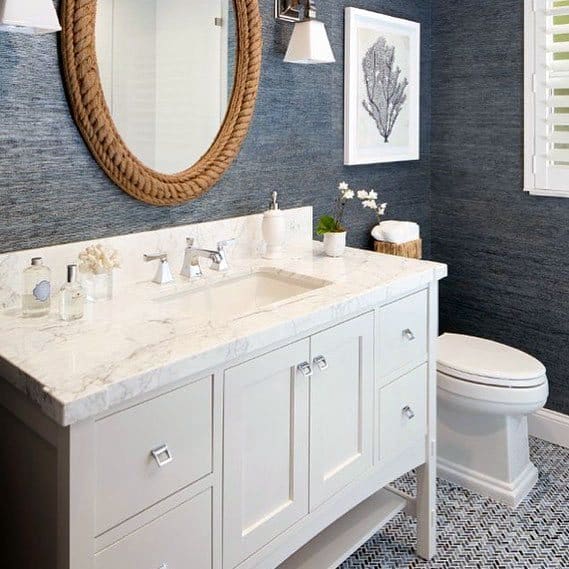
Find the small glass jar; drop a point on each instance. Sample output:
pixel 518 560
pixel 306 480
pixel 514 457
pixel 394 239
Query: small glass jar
pixel 98 287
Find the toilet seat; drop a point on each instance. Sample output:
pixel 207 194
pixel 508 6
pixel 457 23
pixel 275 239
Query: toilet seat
pixel 479 361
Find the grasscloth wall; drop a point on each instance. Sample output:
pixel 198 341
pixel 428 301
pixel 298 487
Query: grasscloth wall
pixel 52 191
pixel 507 251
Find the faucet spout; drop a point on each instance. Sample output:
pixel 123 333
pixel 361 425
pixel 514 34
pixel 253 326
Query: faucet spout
pixel 191 267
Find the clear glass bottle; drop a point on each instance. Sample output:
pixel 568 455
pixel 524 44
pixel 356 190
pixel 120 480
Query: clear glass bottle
pixel 36 297
pixel 71 297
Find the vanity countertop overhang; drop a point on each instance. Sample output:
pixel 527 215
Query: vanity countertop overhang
pixel 131 345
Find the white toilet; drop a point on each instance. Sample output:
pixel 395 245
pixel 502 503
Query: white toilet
pixel 485 392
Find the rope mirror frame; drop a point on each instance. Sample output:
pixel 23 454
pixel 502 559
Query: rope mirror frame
pixel 94 120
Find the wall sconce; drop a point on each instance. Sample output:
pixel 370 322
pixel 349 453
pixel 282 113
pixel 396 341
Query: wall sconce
pixel 309 43
pixel 28 16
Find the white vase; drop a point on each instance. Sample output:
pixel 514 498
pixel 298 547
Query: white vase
pixel 335 244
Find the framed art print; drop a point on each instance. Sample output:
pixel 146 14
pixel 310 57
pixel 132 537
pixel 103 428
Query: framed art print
pixel 382 84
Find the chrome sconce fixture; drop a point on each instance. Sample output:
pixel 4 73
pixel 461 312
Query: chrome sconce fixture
pixel 309 43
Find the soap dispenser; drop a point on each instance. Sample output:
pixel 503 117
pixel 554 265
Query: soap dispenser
pixel 274 230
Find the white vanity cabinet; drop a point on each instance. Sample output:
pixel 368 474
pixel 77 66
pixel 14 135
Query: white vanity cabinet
pixel 277 457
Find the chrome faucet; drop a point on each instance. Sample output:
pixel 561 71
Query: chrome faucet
pixel 192 268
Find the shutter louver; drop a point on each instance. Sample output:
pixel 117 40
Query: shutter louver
pixel 551 97
pixel 558 56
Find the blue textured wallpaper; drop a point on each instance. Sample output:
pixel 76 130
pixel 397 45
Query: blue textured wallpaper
pixel 52 191
pixel 507 251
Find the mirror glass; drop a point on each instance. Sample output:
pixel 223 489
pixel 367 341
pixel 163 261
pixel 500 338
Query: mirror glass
pixel 167 69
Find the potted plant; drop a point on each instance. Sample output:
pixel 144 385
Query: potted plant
pixel 331 226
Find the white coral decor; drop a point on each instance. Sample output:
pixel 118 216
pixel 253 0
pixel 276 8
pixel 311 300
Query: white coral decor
pixel 98 260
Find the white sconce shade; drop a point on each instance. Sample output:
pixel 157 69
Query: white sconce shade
pixel 28 16
pixel 309 44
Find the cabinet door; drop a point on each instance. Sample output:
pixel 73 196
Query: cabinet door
pixel 265 488
pixel 341 407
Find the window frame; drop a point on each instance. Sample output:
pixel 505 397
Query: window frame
pixel 535 163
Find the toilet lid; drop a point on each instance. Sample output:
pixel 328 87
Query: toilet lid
pixel 483 361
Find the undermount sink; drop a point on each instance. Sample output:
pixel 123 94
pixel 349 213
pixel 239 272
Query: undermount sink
pixel 241 295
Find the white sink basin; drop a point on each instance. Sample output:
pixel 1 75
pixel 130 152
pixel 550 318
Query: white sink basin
pixel 241 295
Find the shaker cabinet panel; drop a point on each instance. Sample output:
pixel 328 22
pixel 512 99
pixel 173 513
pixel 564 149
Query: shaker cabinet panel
pixel 403 334
pixel 403 413
pixel 265 488
pixel 181 538
pixel 341 407
pixel 152 450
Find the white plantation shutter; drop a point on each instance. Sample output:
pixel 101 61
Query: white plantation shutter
pixel 547 97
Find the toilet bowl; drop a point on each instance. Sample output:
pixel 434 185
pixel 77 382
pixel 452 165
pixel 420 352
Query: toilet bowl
pixel 485 391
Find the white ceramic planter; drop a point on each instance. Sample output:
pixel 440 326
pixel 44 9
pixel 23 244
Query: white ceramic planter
pixel 335 244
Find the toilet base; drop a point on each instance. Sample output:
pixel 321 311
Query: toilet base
pixel 508 493
pixel 486 453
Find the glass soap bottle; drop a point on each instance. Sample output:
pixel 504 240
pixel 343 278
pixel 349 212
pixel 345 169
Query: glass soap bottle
pixel 71 297
pixel 36 297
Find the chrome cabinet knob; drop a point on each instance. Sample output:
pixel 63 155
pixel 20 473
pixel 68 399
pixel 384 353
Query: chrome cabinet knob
pixel 321 362
pixel 408 412
pixel 408 334
pixel 305 369
pixel 162 455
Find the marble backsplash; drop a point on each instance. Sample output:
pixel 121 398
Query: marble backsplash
pixel 132 247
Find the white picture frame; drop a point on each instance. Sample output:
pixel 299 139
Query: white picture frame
pixel 379 128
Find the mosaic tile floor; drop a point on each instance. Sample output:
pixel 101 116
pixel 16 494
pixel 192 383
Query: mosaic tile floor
pixel 475 532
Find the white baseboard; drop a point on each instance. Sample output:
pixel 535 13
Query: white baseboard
pixel 550 426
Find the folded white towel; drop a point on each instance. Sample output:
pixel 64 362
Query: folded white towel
pixel 396 231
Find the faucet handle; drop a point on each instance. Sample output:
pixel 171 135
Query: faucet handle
pixel 157 257
pixel 222 245
pixel 163 274
pixel 221 264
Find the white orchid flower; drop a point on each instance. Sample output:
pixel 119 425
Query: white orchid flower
pixel 370 204
pixel 343 186
pixel 382 209
pixel 348 195
pixel 373 195
pixel 363 195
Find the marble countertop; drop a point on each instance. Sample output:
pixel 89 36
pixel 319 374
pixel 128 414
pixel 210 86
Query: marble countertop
pixel 133 345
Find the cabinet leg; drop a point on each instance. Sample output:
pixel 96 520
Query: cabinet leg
pixel 427 510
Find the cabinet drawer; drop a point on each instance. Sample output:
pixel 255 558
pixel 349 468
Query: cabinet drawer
pixel 403 413
pixel 403 334
pixel 181 538
pixel 132 473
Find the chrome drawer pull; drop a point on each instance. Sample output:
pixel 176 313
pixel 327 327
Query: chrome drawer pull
pixel 408 412
pixel 408 334
pixel 305 369
pixel 321 362
pixel 162 456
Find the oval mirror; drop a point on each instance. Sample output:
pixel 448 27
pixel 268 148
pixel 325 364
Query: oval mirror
pixel 163 91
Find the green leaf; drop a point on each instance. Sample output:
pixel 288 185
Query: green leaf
pixel 327 224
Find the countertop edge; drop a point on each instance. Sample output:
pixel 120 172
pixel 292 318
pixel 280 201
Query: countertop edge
pixel 66 414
